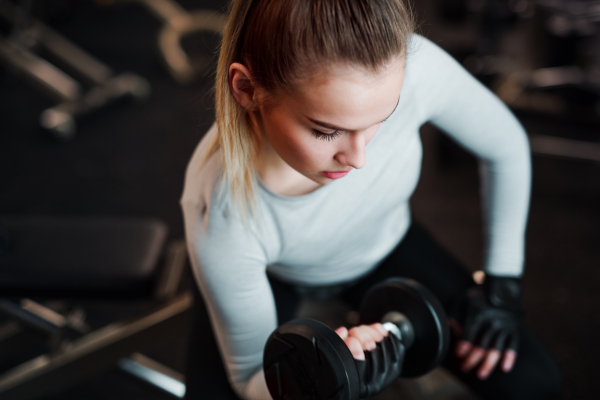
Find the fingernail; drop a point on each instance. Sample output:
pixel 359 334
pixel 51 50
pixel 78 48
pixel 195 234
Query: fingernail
pixel 461 349
pixel 371 346
pixel 341 332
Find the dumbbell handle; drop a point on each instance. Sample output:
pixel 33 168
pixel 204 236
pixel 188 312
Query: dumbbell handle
pixel 400 326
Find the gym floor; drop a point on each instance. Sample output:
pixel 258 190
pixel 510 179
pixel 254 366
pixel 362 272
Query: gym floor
pixel 129 160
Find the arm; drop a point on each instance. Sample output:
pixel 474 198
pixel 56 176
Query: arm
pixel 229 267
pixel 477 120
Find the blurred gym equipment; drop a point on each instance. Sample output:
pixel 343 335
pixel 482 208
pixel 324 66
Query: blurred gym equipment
pixel 18 52
pixel 179 24
pixel 556 74
pixel 61 280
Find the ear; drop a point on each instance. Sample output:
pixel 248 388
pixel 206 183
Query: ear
pixel 242 86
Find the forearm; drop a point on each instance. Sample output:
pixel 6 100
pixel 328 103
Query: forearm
pixel 253 389
pixel 238 298
pixel 479 122
pixel 506 186
pixel 242 322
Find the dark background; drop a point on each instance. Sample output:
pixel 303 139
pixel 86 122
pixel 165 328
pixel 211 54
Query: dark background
pixel 129 160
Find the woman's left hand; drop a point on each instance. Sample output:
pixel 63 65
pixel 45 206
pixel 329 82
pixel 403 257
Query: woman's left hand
pixel 489 327
pixel 474 355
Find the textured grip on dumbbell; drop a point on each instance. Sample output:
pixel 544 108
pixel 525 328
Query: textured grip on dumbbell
pixel 417 314
pixel 381 366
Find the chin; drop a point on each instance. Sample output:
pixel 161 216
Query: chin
pixel 318 178
pixel 323 180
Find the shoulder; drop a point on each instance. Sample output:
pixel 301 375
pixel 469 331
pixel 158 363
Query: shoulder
pixel 436 79
pixel 206 200
pixel 427 62
pixel 204 195
pixel 203 176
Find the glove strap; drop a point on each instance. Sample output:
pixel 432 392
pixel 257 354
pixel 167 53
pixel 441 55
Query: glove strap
pixel 503 292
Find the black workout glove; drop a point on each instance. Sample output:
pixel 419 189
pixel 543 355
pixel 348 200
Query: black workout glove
pixel 381 366
pixel 491 313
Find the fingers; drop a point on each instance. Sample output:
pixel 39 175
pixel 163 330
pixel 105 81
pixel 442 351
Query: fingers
pixel 376 331
pixel 361 338
pixel 510 356
pixel 367 335
pixel 355 347
pixel 379 328
pixel 489 363
pixel 489 360
pixel 472 359
pixel 462 348
pixel 342 331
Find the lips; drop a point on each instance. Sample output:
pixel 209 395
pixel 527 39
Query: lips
pixel 334 174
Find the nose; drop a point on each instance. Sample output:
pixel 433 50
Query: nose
pixel 352 153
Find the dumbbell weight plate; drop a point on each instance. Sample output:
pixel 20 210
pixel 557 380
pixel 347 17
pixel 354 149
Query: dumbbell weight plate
pixel 305 359
pixel 423 309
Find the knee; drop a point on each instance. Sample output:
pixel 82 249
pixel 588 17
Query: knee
pixel 546 389
pixel 539 380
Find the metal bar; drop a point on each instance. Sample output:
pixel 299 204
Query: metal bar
pixel 553 146
pixel 100 96
pixel 29 318
pixel 74 56
pixel 95 352
pixel 155 374
pixel 171 274
pixel 81 61
pixel 169 41
pixel 40 71
pixel 44 312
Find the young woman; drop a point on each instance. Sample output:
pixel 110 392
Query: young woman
pixel 302 188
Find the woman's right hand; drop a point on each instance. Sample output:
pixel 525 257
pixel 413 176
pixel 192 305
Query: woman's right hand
pixel 362 338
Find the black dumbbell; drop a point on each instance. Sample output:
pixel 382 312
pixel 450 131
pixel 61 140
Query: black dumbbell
pixel 305 359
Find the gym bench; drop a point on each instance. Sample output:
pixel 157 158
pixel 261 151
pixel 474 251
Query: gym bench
pixel 87 261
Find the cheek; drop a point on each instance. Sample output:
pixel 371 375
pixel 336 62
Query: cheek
pixel 296 146
pixel 305 152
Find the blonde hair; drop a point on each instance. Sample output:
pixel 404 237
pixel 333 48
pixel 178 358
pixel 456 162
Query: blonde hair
pixel 284 41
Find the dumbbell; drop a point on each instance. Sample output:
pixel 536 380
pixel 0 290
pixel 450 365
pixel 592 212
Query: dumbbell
pixel 305 359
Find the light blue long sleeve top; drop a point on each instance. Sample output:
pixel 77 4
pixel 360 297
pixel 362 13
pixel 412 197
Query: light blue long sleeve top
pixel 341 231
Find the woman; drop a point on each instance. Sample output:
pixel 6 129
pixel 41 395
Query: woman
pixel 280 202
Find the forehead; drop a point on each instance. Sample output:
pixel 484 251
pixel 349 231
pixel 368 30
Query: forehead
pixel 349 96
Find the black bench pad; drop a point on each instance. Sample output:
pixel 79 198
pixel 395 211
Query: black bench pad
pixel 58 255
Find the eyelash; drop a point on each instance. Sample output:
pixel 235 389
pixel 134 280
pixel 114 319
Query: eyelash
pixel 325 136
pixel 330 136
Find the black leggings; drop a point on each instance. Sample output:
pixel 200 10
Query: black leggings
pixel 418 256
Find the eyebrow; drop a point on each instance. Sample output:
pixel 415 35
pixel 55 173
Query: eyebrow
pixel 337 128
